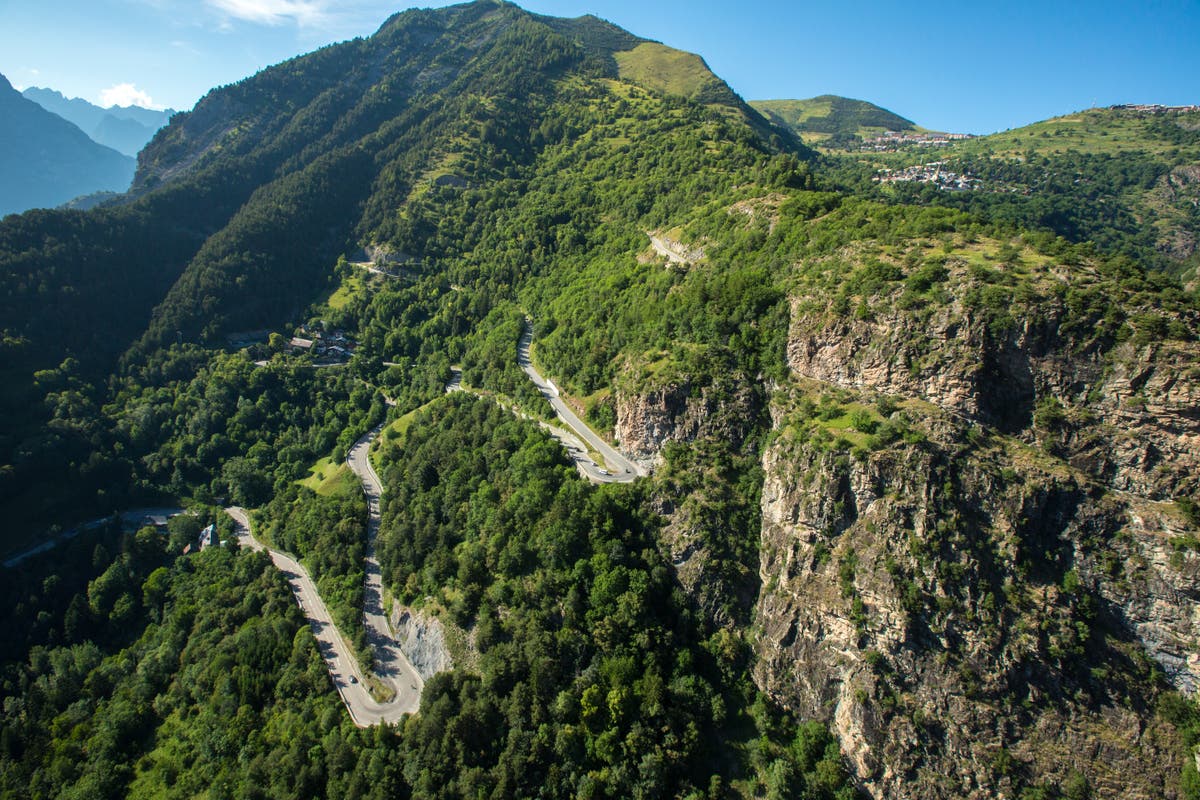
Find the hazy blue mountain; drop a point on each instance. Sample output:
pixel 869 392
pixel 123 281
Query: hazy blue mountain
pixel 126 129
pixel 123 134
pixel 46 161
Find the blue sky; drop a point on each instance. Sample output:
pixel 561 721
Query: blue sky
pixel 973 67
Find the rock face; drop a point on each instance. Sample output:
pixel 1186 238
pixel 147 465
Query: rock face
pixel 1150 576
pixel 422 640
pixel 948 361
pixel 991 591
pixel 942 617
pixel 678 411
pixel 1179 188
pixel 1130 417
pixel 654 417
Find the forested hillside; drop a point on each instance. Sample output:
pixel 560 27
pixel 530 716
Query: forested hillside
pixel 920 515
pixel 1123 179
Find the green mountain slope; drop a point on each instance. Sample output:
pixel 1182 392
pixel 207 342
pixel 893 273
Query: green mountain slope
pixel 920 513
pixel 1123 179
pixel 477 115
pixel 832 119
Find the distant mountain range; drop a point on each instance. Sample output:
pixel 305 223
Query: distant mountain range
pixel 125 129
pixel 831 117
pixel 46 161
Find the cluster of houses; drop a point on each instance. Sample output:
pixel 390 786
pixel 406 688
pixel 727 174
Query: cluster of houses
pixel 895 140
pixel 934 173
pixel 1154 108
pixel 330 346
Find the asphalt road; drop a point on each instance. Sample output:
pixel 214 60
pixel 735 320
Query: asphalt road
pixel 128 518
pixel 670 253
pixel 391 665
pixel 339 657
pixel 618 468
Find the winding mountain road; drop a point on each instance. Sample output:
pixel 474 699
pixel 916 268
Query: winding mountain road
pixel 391 667
pixel 620 469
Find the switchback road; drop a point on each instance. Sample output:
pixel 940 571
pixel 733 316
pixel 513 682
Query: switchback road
pixel 339 656
pixel 391 665
pixel 620 469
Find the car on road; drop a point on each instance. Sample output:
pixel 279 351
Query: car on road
pixel 604 472
pixel 354 679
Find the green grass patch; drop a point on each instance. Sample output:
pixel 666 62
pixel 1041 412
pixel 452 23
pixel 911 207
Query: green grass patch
pixel 399 426
pixel 327 478
pixel 665 69
pixel 351 287
pixel 844 426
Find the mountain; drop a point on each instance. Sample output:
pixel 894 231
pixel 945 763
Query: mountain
pixel 123 134
pixel 918 516
pixel 1126 178
pixel 47 161
pixel 123 128
pixel 830 117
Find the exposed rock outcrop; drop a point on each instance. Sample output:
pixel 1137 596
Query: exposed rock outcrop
pixel 679 411
pixel 674 251
pixel 1130 416
pixel 422 640
pixel 946 612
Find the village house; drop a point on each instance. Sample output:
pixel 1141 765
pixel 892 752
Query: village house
pixel 933 173
pixel 208 538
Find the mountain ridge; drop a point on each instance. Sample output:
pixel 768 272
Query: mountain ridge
pixel 125 129
pixel 833 118
pixel 48 161
pixel 921 513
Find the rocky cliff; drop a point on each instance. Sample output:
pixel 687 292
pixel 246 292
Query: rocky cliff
pixel 972 561
pixel 698 435
pixel 977 559
pixel 962 618
pixel 1127 414
pixel 681 411
pixel 422 639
